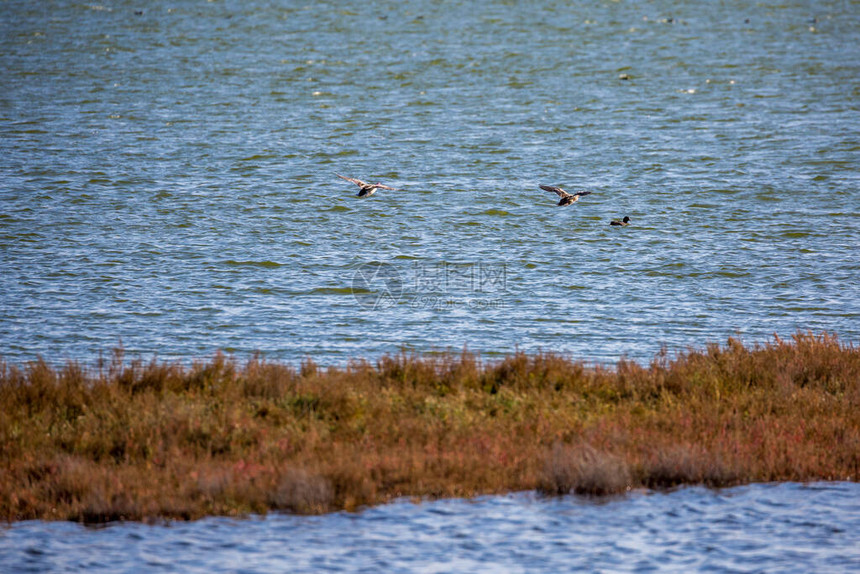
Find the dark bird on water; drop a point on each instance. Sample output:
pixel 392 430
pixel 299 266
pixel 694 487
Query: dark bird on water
pixel 366 189
pixel 625 221
pixel 566 198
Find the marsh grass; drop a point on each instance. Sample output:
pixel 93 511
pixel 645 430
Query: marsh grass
pixel 138 440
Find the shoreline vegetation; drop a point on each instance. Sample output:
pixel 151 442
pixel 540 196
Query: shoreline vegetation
pixel 153 441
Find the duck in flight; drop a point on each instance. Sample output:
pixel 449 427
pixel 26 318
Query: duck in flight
pixel 366 189
pixel 625 221
pixel 566 198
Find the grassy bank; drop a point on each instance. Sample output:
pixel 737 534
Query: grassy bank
pixel 140 440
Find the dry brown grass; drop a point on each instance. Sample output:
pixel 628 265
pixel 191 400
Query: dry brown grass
pixel 583 470
pixel 146 440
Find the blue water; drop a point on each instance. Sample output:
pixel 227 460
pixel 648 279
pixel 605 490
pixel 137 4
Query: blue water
pixel 757 528
pixel 167 176
pixel 167 184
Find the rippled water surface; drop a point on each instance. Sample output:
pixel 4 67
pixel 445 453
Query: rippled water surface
pixel 759 528
pixel 167 176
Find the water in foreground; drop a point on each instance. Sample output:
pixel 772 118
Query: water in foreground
pixel 785 527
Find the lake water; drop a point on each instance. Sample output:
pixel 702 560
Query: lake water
pixel 759 528
pixel 167 182
pixel 167 176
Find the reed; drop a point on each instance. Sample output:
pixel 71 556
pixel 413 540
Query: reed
pixel 137 440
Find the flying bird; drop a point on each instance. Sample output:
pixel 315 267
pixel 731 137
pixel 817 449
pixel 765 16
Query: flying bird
pixel 625 221
pixel 566 198
pixel 366 189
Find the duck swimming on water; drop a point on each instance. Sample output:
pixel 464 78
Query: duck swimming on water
pixel 566 198
pixel 366 189
pixel 625 221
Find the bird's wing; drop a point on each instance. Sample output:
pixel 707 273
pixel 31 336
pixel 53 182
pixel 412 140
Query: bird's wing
pixel 557 190
pixel 357 182
pixel 582 193
pixel 380 186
